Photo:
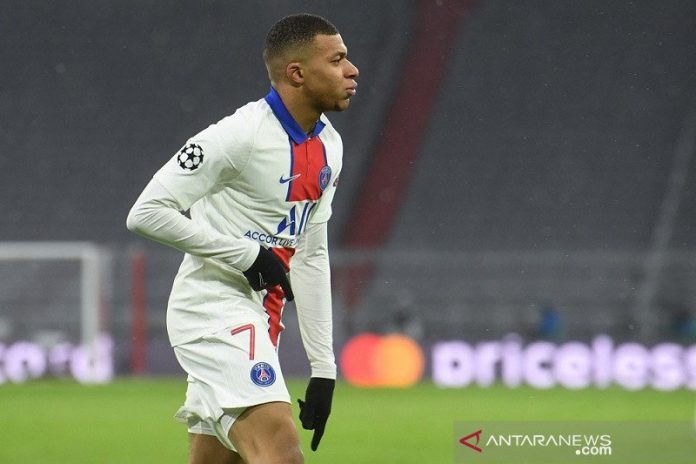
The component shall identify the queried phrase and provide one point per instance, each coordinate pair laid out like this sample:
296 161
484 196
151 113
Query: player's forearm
311 281
155 215
313 300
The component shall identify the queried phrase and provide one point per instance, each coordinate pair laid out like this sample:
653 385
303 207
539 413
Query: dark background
555 174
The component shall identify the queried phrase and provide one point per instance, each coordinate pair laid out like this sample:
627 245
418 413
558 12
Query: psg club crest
262 374
190 157
324 177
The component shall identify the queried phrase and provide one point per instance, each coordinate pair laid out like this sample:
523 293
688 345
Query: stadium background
509 167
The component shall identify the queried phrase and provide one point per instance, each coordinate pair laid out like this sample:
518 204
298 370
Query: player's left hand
267 271
315 409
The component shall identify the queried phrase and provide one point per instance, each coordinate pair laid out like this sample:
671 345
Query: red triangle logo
474 446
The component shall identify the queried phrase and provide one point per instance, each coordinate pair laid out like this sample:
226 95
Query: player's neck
308 123
301 111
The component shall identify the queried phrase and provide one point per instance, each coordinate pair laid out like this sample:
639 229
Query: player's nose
352 71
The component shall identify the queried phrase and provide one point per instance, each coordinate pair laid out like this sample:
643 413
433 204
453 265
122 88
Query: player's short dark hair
294 30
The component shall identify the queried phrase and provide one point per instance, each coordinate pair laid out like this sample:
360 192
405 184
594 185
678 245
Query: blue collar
287 121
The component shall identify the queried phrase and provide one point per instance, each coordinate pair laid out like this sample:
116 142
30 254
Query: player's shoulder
236 132
246 118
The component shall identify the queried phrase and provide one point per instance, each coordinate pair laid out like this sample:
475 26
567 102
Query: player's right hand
315 409
266 272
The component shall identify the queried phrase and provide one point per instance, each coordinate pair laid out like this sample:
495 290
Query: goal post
87 254
46 274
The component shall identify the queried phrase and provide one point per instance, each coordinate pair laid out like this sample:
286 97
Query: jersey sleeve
156 215
213 157
310 275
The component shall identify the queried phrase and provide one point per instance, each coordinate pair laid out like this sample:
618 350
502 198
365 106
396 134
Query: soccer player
259 186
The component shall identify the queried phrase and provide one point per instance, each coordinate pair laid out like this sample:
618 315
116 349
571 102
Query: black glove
315 409
266 272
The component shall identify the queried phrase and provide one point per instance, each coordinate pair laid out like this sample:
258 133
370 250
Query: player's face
329 78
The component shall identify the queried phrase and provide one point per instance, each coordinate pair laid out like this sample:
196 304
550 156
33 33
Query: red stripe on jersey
308 159
284 254
273 302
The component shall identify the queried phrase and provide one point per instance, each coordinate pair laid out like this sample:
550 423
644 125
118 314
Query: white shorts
229 371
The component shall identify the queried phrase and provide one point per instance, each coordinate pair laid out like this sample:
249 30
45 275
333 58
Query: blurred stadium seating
540 181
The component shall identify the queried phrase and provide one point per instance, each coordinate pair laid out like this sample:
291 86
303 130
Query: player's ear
294 73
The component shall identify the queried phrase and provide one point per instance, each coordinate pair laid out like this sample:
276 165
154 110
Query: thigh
267 433
207 449
229 371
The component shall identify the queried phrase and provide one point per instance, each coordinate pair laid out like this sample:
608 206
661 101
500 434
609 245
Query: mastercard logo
370 360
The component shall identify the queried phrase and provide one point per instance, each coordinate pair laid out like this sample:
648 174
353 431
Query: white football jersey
253 175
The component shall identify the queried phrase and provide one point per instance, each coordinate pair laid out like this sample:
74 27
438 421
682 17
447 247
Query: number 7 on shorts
252 337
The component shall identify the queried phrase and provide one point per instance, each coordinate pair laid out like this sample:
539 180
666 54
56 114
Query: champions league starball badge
324 177
190 157
262 374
